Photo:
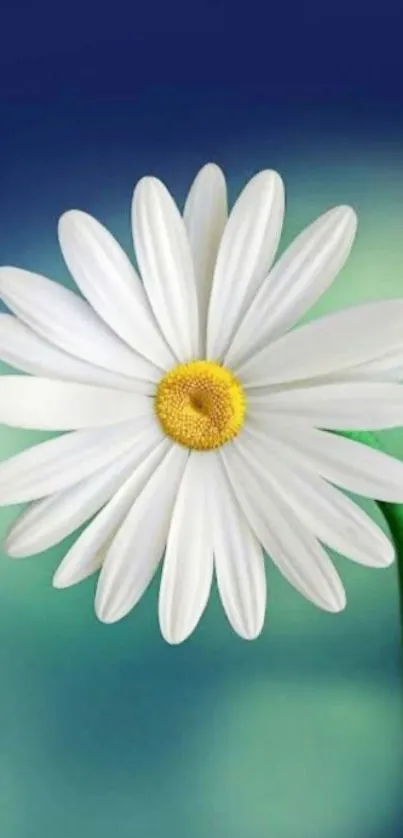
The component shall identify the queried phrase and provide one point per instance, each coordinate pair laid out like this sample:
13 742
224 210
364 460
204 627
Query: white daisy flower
198 424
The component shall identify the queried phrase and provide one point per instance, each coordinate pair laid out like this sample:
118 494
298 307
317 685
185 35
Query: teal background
107 731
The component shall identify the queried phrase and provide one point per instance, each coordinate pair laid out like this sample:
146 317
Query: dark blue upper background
311 50
177 78
168 82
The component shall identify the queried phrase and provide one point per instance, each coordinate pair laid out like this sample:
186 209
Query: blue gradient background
105 730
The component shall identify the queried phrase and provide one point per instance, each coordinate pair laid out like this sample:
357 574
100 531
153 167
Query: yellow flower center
201 405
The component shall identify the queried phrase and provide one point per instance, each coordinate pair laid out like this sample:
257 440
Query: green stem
393 512
394 518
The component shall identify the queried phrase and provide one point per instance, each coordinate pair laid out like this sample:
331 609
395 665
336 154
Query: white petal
165 261
89 551
349 464
56 464
137 548
106 277
48 521
23 349
205 216
341 406
297 554
247 250
188 565
325 511
47 404
329 344
387 368
238 557
299 278
67 321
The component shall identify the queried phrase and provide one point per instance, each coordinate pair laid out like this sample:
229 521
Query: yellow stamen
200 405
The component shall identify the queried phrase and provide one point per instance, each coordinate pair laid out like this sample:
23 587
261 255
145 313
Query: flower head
200 424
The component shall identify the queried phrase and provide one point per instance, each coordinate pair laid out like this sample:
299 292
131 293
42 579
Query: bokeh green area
107 731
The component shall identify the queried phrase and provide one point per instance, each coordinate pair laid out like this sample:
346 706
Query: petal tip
276 178
60 580
387 557
249 636
212 169
14 551
173 634
173 639
107 618
345 214
148 183
105 612
68 218
268 180
250 630
337 603
104 618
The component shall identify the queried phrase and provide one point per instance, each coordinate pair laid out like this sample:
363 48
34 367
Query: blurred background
105 730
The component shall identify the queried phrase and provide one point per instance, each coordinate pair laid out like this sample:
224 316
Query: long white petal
296 552
205 216
387 368
165 261
106 277
329 344
25 350
238 558
324 510
298 279
247 250
67 321
138 546
89 551
349 464
341 406
48 521
57 464
188 564
47 404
